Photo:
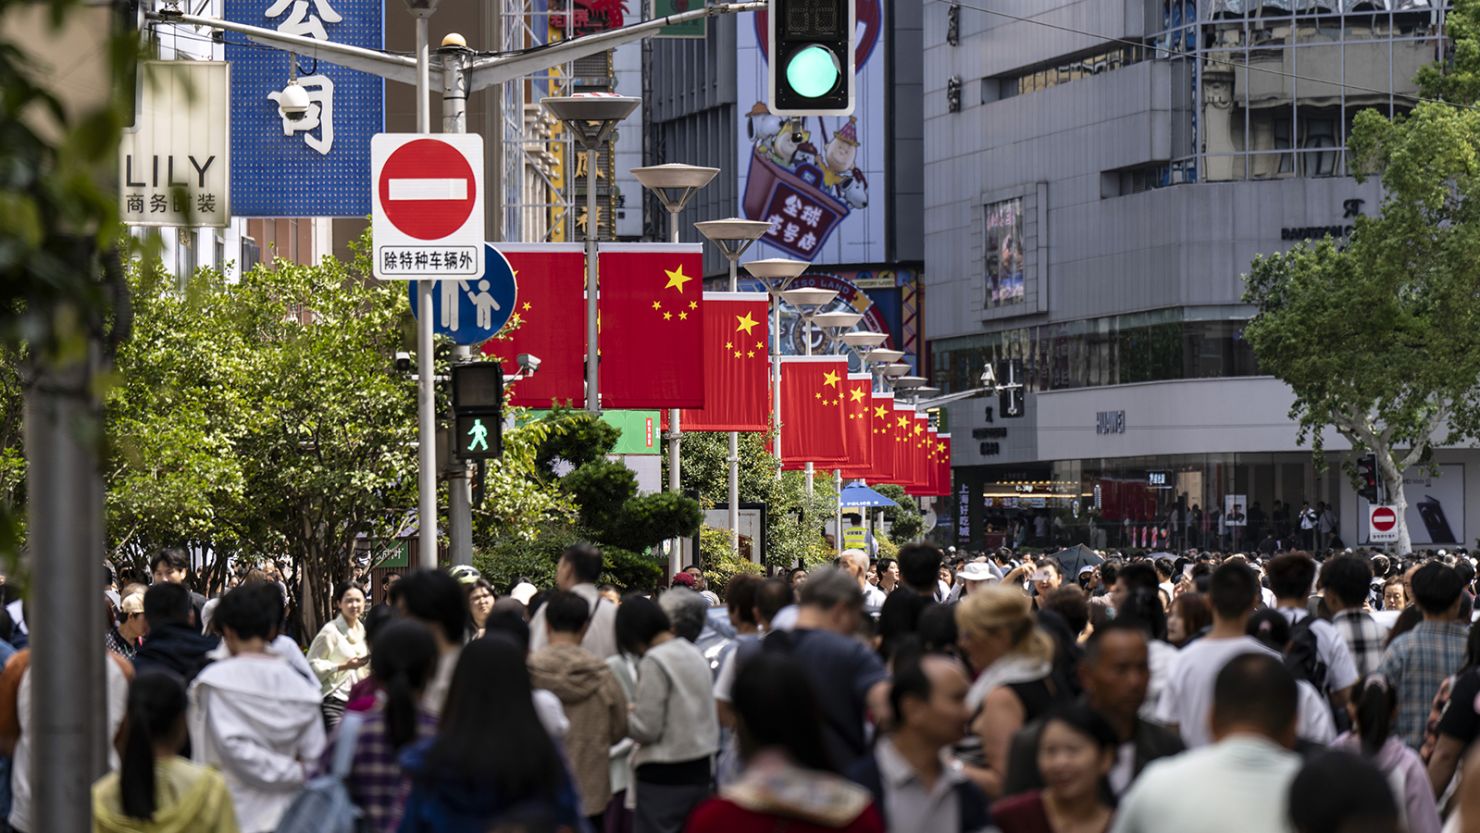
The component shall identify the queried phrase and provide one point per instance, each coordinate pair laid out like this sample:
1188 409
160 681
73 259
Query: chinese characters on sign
429 261
799 221
172 168
317 165
320 88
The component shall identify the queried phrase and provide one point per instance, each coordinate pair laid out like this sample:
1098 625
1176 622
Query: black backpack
1303 657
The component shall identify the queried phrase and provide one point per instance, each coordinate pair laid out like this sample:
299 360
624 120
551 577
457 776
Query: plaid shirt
1416 664
376 782
1363 637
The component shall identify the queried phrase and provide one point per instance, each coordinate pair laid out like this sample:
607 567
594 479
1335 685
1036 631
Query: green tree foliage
1378 338
905 521
794 520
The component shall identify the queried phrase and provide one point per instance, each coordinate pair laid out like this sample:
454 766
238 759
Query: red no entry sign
427 189
427 217
1384 518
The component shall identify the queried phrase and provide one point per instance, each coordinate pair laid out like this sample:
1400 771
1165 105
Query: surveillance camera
529 364
403 361
293 103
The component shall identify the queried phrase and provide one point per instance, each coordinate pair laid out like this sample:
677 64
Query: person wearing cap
523 592
973 576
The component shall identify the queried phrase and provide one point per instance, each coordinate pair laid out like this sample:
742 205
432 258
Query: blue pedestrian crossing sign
473 311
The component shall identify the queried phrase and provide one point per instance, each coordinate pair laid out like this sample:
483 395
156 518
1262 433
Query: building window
1063 71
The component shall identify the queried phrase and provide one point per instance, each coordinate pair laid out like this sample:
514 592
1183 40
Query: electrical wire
1169 53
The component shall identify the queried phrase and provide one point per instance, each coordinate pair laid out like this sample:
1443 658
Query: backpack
1302 654
324 806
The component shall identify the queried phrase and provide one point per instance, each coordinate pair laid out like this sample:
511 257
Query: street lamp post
674 185
834 323
591 120
808 301
777 274
733 237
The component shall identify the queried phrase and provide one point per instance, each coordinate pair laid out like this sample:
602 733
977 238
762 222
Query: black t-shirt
842 671
1460 720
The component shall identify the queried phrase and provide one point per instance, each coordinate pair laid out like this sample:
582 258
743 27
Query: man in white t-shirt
1291 577
1187 701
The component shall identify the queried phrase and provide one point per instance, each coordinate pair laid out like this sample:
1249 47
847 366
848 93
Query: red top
1023 814
718 815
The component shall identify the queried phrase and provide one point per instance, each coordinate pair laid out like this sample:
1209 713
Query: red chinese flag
736 365
943 465
859 411
931 485
921 446
812 415
548 322
651 331
882 427
904 423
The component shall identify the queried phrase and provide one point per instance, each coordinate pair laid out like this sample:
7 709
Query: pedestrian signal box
477 410
810 46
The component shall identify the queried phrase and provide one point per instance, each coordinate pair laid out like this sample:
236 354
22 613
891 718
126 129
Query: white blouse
336 644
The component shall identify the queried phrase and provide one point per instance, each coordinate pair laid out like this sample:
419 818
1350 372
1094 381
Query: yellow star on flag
746 323
528 306
918 429
676 278
857 394
667 316
830 379
902 422
729 345
817 395
881 412
749 354
683 316
657 305
737 354
693 305
940 448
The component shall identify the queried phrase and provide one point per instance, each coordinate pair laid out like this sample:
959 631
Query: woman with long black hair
402 661
339 653
155 790
1373 709
491 763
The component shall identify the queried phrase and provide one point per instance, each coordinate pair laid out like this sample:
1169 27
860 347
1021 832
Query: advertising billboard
316 163
819 181
888 299
1004 247
1436 505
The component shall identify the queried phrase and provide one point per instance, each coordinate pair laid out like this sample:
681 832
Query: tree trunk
1392 478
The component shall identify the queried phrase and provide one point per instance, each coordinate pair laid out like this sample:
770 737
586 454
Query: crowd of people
1068 692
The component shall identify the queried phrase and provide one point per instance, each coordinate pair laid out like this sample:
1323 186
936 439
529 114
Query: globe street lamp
733 236
591 120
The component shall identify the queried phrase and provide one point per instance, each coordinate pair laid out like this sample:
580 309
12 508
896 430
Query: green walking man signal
477 410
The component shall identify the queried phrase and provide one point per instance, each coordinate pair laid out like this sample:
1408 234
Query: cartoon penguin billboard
814 178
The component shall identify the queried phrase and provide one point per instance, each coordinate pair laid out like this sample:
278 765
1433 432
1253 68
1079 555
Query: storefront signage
989 433
1110 422
172 167
1349 209
1158 479
990 449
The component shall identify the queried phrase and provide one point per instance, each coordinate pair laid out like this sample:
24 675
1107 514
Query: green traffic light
479 434
813 71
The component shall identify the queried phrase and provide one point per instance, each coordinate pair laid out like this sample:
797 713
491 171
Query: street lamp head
802 298
927 390
863 338
454 41
591 117
836 320
883 356
909 381
776 269
674 175
733 229
896 371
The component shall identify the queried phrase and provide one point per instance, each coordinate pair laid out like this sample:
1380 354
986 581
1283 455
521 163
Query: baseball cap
976 571
1086 569
684 580
133 603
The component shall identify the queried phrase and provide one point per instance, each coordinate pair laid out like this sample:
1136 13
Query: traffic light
811 57
1367 477
478 410
1010 388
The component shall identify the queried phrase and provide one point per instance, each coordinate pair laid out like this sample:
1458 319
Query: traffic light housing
478 410
1367 477
811 57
